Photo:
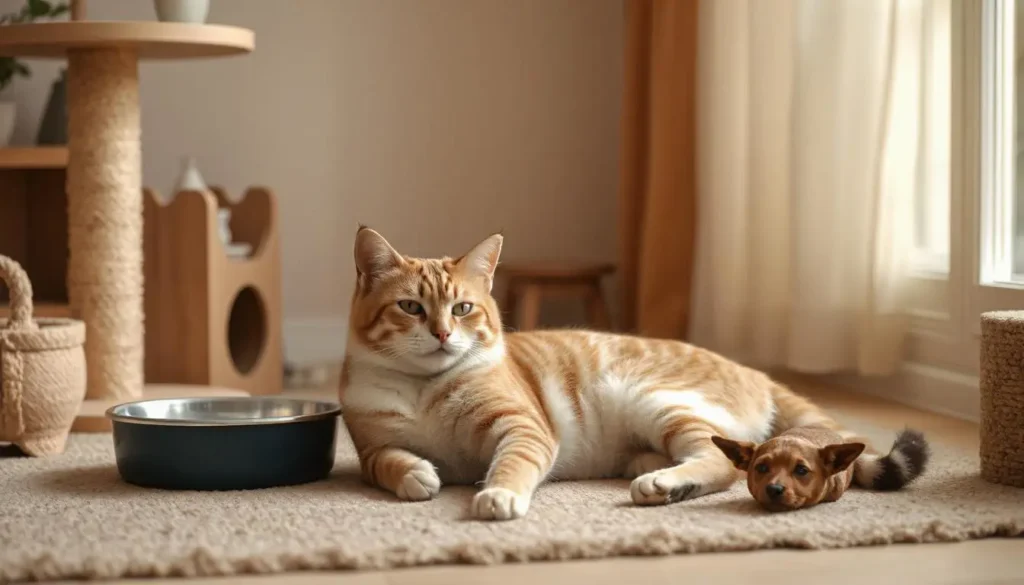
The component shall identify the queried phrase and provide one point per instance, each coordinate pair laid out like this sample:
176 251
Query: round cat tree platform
104 185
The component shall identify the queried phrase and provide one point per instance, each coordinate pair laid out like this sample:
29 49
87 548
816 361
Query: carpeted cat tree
105 223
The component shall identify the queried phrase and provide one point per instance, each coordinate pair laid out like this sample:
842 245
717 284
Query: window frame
992 213
948 307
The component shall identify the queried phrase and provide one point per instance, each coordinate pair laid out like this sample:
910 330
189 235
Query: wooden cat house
213 309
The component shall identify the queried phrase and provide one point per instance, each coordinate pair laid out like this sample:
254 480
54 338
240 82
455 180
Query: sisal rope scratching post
1002 397
105 278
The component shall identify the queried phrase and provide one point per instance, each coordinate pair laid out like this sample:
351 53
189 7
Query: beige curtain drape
809 162
657 195
800 120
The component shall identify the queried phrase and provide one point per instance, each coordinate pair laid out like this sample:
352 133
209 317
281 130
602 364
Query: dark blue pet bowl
224 443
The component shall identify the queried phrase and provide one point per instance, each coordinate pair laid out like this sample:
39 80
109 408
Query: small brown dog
799 468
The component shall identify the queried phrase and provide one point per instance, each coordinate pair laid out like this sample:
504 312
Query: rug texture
71 516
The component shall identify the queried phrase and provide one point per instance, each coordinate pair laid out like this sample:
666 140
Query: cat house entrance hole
247 329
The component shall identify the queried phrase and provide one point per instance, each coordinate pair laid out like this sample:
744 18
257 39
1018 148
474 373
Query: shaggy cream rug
72 517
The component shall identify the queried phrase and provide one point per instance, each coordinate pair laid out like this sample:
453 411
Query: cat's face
423 316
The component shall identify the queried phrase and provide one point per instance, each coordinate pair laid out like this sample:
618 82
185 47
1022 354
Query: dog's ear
839 456
739 452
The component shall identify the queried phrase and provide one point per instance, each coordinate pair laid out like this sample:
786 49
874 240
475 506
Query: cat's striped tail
905 462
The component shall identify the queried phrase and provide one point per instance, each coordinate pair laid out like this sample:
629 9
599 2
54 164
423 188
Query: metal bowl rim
330 410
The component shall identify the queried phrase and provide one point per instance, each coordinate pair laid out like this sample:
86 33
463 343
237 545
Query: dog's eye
761 468
801 469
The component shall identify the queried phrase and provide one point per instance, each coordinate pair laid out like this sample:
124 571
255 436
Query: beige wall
435 121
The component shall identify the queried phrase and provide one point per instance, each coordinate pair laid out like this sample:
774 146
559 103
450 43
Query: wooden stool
530 282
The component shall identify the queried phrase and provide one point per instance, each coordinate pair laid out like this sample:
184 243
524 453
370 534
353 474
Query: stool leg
597 309
529 311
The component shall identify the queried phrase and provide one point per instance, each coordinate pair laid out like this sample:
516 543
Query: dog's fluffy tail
905 462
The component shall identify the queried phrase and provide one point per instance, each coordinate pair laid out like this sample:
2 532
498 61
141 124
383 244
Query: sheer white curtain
808 162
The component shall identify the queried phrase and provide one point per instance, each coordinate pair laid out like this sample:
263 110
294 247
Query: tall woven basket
1002 397
42 371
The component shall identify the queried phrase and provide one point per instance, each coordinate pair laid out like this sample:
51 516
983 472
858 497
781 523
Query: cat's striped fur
435 392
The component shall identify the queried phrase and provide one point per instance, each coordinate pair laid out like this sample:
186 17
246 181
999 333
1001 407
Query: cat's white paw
662 487
419 483
500 504
646 463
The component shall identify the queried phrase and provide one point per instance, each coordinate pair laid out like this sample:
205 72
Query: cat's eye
761 468
411 307
461 309
801 469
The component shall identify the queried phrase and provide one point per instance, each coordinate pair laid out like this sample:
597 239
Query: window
1000 228
969 228
1018 142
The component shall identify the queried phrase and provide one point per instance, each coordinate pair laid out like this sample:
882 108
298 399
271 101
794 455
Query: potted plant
10 67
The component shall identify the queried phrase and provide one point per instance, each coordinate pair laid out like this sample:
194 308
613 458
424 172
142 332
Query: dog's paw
419 483
499 504
645 463
662 487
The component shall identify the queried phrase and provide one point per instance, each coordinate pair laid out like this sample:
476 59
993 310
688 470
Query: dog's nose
774 490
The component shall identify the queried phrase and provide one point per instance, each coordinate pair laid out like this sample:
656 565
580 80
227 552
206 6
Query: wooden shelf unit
33 198
34 157
33 223
43 311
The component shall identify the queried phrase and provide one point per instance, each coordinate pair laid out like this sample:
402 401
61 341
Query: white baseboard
925 387
314 339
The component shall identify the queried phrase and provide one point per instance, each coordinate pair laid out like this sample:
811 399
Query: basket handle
20 289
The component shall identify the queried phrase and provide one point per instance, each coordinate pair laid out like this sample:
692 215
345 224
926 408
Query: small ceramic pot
42 367
193 11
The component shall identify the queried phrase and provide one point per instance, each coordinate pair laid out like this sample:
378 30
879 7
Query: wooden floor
983 562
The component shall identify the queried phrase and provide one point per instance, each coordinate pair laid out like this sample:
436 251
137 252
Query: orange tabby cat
435 392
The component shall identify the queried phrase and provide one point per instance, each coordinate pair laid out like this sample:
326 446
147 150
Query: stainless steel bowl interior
222 411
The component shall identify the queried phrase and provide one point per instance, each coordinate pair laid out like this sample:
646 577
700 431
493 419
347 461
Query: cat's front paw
500 504
419 483
662 487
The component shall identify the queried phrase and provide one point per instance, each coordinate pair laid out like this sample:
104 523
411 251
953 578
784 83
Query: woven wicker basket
1002 397
42 371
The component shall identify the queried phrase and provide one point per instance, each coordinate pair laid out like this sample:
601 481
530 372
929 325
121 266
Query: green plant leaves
33 9
39 8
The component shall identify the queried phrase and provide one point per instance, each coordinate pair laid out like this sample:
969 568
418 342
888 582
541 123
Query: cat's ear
373 254
482 260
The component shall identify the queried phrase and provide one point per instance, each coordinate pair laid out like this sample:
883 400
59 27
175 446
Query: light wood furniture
211 318
529 283
45 310
145 40
93 254
78 9
34 157
33 224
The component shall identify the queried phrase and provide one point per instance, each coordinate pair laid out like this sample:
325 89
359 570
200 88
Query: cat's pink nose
441 336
